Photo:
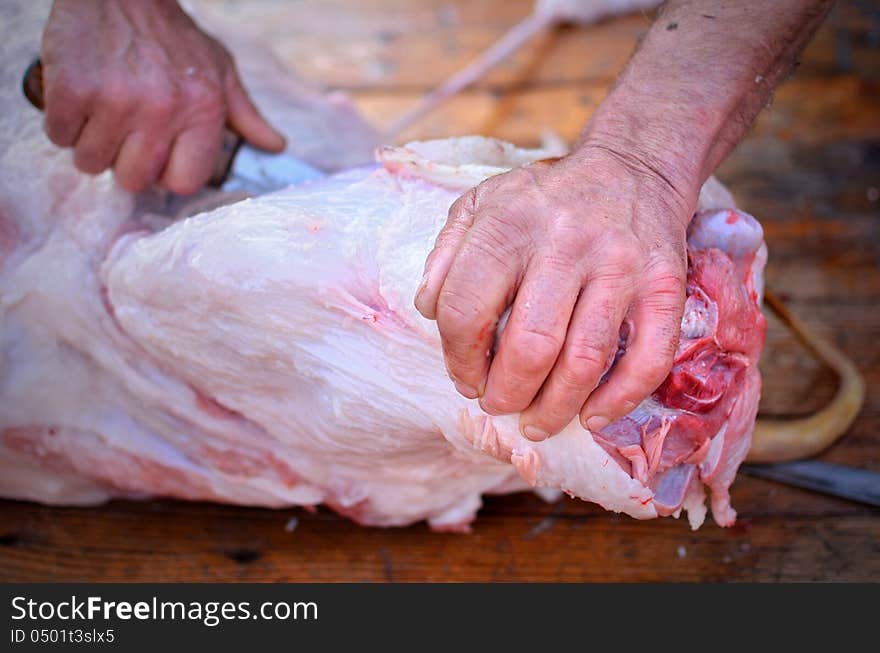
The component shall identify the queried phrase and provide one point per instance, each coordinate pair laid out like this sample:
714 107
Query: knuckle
665 315
670 255
667 265
667 283
567 247
115 94
560 253
159 101
486 188
205 95
71 89
522 177
621 252
88 161
459 220
603 311
572 378
665 295
459 316
582 364
464 206
496 241
535 351
616 266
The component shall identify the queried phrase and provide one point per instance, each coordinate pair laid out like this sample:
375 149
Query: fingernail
597 422
534 434
468 391
422 285
421 289
488 409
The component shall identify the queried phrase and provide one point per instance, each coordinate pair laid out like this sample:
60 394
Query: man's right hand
136 86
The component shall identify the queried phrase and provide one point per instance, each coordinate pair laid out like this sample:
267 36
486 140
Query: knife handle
32 85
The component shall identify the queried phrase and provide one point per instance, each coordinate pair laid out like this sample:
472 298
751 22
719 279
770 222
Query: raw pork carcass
268 353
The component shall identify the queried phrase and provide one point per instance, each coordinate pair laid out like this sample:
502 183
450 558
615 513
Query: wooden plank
515 539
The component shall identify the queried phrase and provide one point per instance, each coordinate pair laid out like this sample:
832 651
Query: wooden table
810 171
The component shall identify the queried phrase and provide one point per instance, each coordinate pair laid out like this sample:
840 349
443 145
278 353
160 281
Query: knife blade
239 166
842 481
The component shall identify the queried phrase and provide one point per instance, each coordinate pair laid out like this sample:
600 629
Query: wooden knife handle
32 85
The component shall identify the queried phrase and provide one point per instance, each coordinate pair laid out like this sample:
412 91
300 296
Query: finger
99 142
589 348
533 336
649 355
481 282
110 115
245 118
449 240
141 160
66 108
192 159
144 153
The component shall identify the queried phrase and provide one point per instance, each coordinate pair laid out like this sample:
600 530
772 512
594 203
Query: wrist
664 146
675 128
673 105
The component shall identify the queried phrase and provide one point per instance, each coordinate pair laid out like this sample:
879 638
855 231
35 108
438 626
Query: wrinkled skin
577 256
137 87
591 249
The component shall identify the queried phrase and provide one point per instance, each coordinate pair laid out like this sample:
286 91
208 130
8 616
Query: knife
239 166
851 483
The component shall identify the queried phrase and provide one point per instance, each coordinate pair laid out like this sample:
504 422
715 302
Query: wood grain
810 171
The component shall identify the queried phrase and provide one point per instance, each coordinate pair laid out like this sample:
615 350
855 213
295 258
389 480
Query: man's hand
579 246
136 86
597 239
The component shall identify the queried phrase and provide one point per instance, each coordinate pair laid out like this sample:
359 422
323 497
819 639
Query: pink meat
709 400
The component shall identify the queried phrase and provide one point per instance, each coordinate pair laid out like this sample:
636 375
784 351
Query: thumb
449 240
244 117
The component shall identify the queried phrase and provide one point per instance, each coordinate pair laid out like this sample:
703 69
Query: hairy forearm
699 78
